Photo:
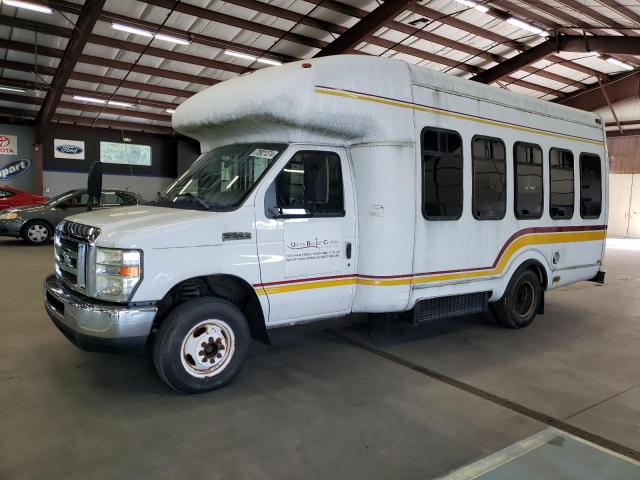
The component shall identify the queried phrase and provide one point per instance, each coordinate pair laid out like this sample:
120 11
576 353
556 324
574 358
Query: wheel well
537 268
227 287
23 230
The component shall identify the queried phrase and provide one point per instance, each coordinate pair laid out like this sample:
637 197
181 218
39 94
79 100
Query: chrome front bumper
95 326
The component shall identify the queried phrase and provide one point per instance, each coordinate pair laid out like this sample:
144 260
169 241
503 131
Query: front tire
519 305
37 232
201 345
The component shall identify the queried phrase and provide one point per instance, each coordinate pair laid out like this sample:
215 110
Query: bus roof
305 102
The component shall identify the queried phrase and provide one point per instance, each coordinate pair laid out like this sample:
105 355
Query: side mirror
94 184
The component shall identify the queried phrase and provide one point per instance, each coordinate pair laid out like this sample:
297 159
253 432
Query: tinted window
127 199
527 162
76 201
590 186
117 199
441 174
5 193
489 189
561 184
310 184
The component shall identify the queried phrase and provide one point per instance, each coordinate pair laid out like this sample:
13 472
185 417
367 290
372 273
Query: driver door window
310 185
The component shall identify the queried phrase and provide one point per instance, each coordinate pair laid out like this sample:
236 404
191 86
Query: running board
451 306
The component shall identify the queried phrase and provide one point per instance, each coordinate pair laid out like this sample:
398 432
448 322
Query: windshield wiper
204 204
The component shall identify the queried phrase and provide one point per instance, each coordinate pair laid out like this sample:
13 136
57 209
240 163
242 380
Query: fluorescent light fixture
119 104
527 26
170 110
240 55
36 7
268 61
477 6
169 38
12 89
617 62
593 54
89 99
235 179
293 170
101 101
127 28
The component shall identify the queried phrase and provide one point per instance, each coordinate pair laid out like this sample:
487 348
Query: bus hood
146 226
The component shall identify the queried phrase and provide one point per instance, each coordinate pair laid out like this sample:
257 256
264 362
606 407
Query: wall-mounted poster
8 144
73 149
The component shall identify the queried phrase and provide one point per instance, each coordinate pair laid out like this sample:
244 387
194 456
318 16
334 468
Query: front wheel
201 345
519 305
37 232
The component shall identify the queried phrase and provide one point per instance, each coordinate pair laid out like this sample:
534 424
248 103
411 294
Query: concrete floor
314 405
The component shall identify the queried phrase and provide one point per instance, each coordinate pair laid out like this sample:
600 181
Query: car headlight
118 272
8 216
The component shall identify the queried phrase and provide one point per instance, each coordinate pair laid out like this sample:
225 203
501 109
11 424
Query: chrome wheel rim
524 300
208 348
37 233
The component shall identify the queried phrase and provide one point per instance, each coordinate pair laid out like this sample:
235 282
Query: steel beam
133 126
564 43
620 88
84 26
366 27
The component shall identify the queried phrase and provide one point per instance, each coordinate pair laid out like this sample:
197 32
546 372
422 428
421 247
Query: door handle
348 252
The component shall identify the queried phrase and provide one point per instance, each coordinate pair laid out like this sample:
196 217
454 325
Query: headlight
8 216
118 272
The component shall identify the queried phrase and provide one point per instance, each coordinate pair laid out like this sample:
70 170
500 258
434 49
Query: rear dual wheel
519 305
201 345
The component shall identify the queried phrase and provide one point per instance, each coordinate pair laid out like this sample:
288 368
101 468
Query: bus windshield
222 178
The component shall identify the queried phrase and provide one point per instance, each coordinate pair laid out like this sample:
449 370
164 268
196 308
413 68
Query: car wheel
519 305
37 232
201 345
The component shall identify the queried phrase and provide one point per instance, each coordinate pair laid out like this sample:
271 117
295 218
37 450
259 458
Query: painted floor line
516 407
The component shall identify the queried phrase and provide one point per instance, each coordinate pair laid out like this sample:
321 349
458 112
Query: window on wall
310 185
561 186
125 153
527 162
590 186
441 174
489 186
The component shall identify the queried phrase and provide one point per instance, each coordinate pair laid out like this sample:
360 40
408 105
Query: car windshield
222 178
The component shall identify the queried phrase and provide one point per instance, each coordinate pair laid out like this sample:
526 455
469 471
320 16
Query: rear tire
519 305
201 345
37 232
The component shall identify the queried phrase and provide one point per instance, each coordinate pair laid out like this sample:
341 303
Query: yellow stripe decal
459 116
521 242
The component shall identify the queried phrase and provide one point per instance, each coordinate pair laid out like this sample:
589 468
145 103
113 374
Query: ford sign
15 169
69 149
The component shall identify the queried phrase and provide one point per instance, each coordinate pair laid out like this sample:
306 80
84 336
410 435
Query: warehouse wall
62 174
624 186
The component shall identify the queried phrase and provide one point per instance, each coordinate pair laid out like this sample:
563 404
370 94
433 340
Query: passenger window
527 162
310 185
561 184
110 199
441 174
5 194
125 199
590 186
489 188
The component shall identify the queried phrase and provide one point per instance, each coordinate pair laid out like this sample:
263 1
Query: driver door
306 233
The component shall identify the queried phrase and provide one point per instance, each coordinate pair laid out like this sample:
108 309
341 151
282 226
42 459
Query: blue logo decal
15 169
69 149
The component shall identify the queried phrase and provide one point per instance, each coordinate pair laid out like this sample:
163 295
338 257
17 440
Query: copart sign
15 169
8 144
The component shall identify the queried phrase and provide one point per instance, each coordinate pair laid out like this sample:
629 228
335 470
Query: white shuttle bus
330 186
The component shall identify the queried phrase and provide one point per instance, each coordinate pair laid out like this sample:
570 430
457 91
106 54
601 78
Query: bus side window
441 174
527 166
489 182
561 184
590 185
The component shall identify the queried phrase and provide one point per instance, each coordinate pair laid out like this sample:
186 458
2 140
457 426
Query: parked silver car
36 223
